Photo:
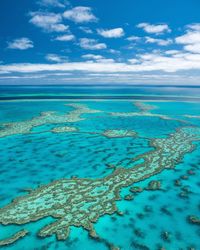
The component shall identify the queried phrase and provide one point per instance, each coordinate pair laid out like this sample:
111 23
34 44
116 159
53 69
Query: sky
100 42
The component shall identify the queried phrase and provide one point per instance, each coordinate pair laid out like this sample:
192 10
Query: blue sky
88 42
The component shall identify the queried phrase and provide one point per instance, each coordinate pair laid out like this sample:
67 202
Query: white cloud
21 44
65 38
194 26
186 60
195 48
106 60
172 52
98 58
160 42
86 30
170 63
133 38
114 51
154 28
92 56
111 33
91 44
53 3
191 39
133 61
49 22
147 62
55 58
80 14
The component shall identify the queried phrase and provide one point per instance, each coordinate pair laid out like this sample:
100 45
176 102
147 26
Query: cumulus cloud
114 51
98 58
133 38
49 22
53 3
143 62
80 14
161 42
86 30
171 52
168 63
195 48
91 44
21 44
133 61
154 28
65 38
92 56
105 60
191 39
55 58
194 26
183 58
111 33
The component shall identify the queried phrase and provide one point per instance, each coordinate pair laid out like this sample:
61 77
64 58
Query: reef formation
130 114
13 238
145 111
51 117
119 133
64 129
80 202
144 107
192 116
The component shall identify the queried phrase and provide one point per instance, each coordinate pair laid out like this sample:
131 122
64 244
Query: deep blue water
99 90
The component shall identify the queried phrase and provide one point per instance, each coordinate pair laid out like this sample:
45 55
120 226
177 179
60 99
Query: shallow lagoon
40 157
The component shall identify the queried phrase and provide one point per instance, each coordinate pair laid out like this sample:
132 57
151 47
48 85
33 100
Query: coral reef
136 189
194 219
130 114
144 107
177 183
166 236
128 197
192 116
144 110
81 202
64 129
25 127
119 133
153 185
14 238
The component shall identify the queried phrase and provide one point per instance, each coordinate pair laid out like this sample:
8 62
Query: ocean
99 167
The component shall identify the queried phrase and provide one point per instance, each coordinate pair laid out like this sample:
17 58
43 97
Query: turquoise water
37 158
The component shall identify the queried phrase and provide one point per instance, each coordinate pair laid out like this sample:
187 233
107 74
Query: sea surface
153 219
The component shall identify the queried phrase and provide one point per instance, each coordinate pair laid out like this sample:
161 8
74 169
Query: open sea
119 167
